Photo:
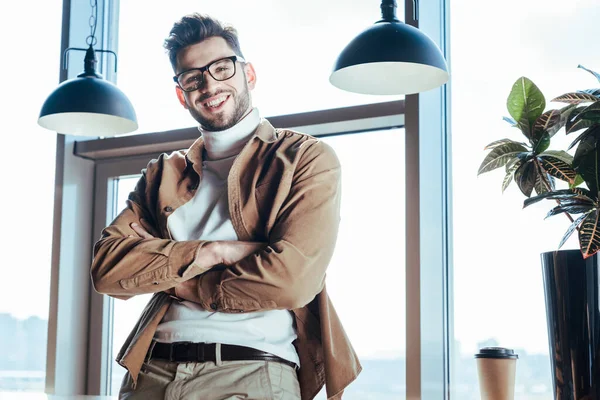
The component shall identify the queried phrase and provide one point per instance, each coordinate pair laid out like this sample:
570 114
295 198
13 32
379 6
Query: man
233 236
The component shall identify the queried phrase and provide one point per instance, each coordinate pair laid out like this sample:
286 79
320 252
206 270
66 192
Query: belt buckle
182 352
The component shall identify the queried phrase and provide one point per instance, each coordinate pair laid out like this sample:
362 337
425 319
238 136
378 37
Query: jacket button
213 306
168 209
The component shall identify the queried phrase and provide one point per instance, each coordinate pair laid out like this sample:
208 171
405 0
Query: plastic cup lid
496 352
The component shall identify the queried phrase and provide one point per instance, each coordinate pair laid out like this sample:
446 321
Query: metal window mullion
100 345
428 224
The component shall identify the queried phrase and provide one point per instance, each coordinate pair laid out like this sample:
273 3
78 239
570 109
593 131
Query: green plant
535 168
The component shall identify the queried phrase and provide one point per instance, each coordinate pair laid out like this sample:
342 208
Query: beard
223 121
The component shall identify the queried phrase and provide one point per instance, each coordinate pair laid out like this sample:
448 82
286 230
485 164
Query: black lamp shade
88 106
390 58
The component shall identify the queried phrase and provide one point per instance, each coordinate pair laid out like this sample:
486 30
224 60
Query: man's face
216 105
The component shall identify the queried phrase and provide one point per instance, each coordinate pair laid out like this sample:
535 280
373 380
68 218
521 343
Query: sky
497 287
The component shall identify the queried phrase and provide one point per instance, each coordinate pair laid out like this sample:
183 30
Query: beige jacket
283 189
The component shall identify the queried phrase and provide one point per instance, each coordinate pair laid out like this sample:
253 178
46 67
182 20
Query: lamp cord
91 39
90 55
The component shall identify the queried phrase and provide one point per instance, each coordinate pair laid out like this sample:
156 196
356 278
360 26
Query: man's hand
230 252
140 231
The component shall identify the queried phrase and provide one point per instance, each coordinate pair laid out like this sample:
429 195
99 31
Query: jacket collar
264 132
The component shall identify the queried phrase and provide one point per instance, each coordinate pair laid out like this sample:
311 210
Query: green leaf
525 177
565 113
588 166
578 181
578 201
562 194
570 209
542 143
589 235
525 104
571 229
542 183
510 170
574 123
560 154
583 136
511 163
545 123
597 75
587 142
558 168
499 156
575 98
590 113
497 143
579 125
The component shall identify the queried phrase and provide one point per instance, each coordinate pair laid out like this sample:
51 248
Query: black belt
202 352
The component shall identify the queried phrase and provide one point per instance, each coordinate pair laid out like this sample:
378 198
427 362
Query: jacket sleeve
290 271
125 265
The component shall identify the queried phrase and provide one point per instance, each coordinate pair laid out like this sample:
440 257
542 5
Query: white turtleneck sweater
206 217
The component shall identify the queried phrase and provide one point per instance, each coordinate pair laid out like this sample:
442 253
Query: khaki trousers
220 380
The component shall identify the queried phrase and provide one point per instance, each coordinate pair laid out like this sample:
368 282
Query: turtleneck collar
229 142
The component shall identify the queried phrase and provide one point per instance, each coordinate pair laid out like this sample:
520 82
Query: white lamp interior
388 78
87 124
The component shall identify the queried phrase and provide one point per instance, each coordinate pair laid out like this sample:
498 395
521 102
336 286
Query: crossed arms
285 273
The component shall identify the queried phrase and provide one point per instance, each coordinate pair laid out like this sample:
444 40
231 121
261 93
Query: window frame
429 272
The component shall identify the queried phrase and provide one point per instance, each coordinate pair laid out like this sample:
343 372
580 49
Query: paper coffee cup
496 367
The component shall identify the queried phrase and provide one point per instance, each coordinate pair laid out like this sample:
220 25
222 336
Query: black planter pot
571 292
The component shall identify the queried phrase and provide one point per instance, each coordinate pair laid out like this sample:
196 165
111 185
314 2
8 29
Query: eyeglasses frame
206 68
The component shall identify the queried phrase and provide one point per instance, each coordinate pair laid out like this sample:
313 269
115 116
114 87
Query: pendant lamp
389 58
88 105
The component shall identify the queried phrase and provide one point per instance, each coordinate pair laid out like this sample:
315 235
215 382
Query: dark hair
194 28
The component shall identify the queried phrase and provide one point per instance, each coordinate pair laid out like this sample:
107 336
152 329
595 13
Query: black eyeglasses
220 70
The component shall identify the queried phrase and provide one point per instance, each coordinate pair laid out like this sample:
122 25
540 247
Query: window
28 161
498 292
368 262
293 46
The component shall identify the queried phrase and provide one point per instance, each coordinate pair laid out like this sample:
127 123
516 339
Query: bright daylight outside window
28 160
378 334
498 290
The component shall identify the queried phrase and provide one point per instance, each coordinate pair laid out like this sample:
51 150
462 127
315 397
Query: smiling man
233 236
